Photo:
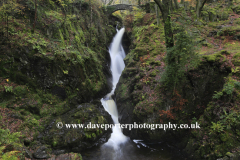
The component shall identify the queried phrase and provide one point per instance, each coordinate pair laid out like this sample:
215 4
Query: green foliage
227 89
194 120
180 58
235 70
237 84
7 138
20 91
9 155
8 88
217 127
217 95
8 142
138 14
10 7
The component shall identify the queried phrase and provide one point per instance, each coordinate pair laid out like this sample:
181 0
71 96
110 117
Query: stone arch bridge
113 8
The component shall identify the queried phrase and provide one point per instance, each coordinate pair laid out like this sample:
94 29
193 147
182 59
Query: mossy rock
129 72
224 52
78 137
214 57
141 51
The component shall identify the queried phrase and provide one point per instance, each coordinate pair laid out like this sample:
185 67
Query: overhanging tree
164 7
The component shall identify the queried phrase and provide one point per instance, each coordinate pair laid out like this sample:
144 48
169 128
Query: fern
9 139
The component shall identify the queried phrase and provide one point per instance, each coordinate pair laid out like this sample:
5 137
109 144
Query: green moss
20 91
214 57
54 144
236 56
123 90
209 45
205 15
154 73
236 9
224 15
236 59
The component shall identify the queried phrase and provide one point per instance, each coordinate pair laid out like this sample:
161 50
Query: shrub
180 58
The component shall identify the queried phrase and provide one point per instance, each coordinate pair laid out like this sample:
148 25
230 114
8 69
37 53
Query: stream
119 146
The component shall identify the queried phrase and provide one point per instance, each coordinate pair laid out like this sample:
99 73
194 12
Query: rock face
138 95
198 92
59 136
41 153
67 156
207 95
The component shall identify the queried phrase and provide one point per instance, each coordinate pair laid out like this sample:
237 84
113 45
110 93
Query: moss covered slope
208 93
51 61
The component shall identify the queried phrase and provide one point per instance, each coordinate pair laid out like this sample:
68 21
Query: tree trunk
168 32
199 7
176 4
91 22
34 24
182 1
157 14
7 27
171 5
164 7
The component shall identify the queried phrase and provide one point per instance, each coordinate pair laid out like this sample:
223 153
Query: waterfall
117 55
119 146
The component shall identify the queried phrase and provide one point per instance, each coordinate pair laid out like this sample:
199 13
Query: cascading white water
120 147
117 55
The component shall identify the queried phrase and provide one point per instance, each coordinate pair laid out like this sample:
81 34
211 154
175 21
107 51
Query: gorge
64 62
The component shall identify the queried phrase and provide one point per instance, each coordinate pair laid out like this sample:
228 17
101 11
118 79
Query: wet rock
69 156
66 156
58 152
41 153
28 154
